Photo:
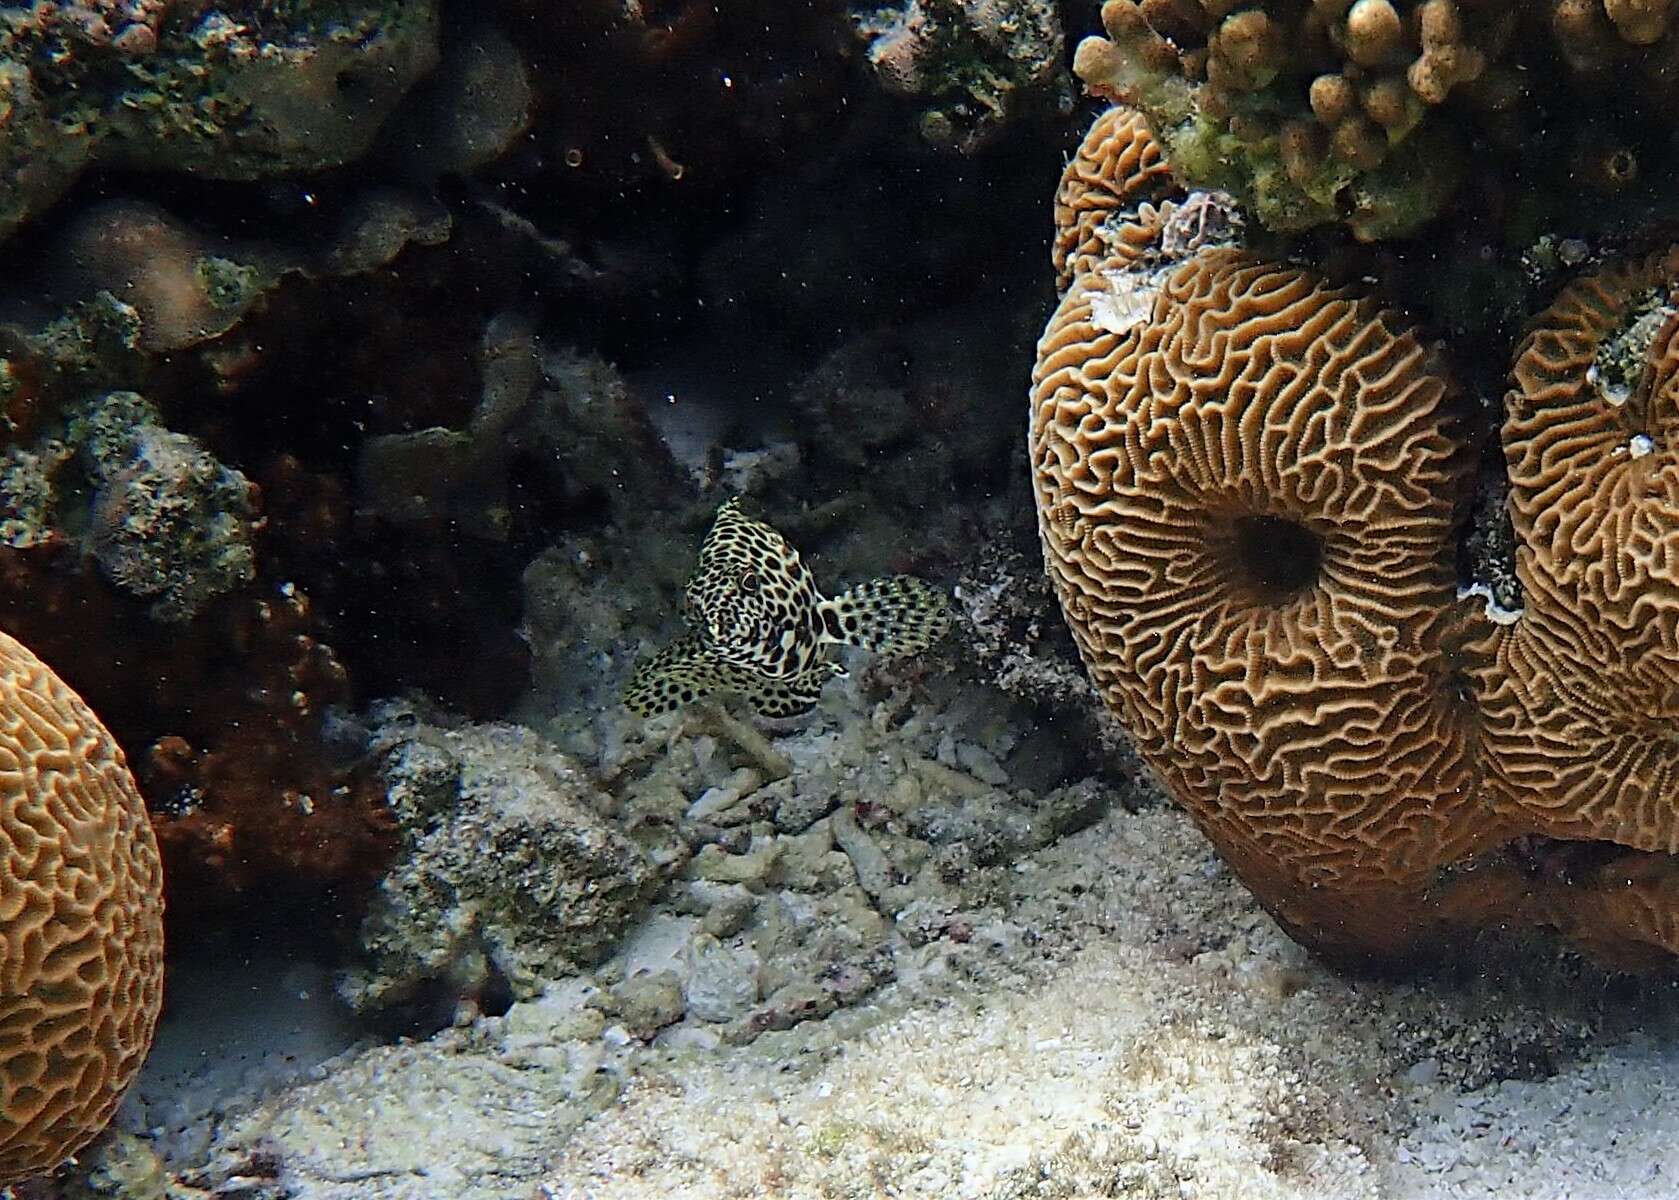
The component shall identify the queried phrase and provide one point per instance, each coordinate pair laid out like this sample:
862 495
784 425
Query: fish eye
748 581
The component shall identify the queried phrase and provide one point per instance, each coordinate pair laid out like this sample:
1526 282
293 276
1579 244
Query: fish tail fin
893 616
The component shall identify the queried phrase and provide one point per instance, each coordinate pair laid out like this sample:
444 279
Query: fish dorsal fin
893 616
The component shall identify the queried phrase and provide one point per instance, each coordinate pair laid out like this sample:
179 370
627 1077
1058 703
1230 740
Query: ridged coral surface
1119 163
1583 725
1246 503
1249 486
81 920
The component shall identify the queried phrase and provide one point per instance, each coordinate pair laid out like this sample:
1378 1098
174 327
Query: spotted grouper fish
758 626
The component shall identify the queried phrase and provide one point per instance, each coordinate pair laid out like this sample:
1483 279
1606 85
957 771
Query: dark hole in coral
1569 862
353 84
497 995
1277 555
1621 166
436 1004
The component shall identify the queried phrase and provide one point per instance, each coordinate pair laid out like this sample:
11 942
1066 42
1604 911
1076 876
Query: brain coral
1583 722
1118 165
81 920
1246 499
1248 486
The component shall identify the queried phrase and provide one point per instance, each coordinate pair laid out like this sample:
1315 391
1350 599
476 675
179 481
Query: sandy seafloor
1114 1065
1122 1020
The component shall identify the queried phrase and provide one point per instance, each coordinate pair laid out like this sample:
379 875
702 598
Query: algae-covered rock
166 520
971 66
509 874
239 91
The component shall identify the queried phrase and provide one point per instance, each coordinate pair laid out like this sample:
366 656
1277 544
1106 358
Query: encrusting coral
1249 485
81 920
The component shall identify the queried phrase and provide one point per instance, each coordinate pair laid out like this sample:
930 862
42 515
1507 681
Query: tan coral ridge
1248 485
81 920
1582 711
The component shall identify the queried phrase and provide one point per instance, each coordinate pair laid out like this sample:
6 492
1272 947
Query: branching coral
1363 111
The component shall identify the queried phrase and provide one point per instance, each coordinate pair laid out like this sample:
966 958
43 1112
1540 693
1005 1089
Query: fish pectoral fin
790 697
893 616
684 671
688 670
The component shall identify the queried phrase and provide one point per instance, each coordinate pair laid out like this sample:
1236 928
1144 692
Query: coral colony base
371 374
